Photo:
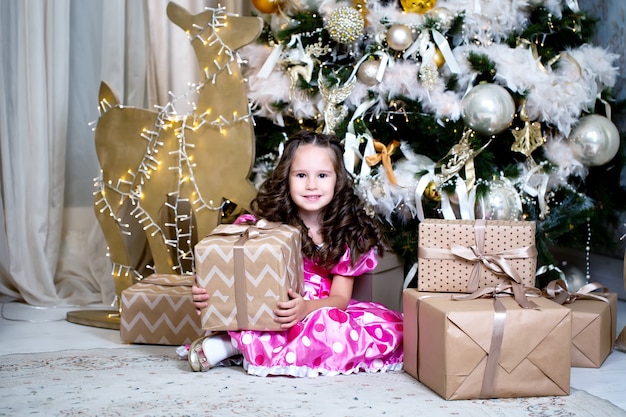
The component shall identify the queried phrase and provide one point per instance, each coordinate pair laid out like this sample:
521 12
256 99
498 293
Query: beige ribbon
384 155
488 388
496 262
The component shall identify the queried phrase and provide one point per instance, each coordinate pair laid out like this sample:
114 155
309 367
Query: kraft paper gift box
246 270
159 310
384 284
594 321
452 346
467 255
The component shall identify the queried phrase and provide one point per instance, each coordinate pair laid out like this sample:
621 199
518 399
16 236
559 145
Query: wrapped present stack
247 269
477 327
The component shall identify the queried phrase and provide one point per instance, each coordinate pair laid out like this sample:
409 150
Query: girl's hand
291 312
200 298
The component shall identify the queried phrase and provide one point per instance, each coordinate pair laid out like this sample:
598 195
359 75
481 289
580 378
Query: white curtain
54 54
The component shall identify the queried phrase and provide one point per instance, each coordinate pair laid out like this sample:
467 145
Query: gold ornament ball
345 24
399 37
431 192
417 6
367 72
361 6
438 59
266 6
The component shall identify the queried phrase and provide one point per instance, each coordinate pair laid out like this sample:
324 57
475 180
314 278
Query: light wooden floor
25 329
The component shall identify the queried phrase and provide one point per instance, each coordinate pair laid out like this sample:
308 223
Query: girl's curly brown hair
344 221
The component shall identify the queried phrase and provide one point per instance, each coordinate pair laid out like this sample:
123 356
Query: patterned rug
152 381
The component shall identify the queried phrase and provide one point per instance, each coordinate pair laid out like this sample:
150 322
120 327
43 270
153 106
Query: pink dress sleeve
245 218
366 263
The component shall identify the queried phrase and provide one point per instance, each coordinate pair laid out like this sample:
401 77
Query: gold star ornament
529 137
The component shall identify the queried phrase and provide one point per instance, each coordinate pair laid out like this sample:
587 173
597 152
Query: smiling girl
326 332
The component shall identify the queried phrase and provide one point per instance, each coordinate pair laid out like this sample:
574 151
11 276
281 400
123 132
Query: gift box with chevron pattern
246 270
159 310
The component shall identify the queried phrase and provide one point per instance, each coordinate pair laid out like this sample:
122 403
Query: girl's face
312 179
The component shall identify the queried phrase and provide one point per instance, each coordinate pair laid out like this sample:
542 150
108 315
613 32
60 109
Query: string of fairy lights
167 117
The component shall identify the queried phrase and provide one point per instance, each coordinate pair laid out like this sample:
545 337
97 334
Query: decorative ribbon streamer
270 62
495 262
477 8
351 144
446 51
384 156
414 46
573 5
569 58
446 208
409 276
532 47
607 106
540 190
466 197
422 183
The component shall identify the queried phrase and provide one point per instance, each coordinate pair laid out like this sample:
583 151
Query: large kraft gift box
467 255
594 321
159 310
452 346
246 270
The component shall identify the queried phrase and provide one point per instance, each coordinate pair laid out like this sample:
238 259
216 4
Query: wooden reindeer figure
172 173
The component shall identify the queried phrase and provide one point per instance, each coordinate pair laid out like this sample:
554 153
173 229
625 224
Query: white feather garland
556 94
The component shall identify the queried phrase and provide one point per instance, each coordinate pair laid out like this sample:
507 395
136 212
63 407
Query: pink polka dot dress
367 336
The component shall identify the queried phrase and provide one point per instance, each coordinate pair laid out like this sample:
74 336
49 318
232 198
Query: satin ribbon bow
518 291
384 154
495 262
558 292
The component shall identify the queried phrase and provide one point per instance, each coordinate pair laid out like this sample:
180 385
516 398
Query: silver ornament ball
594 140
399 37
442 15
574 278
501 202
367 72
488 109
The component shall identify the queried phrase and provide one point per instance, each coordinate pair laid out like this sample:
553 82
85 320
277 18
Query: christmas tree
495 109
